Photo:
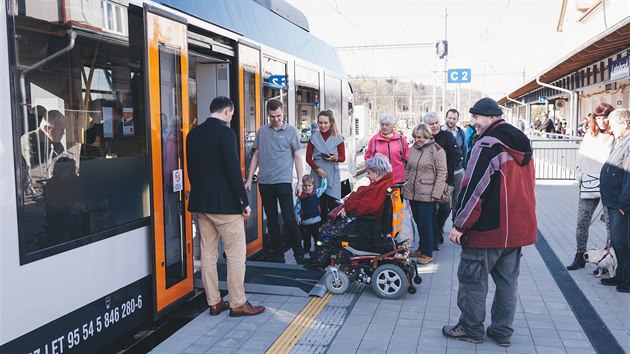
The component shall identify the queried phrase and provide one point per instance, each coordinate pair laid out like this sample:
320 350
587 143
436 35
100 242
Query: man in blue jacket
218 196
615 192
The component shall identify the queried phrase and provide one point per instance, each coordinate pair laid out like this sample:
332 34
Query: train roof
277 25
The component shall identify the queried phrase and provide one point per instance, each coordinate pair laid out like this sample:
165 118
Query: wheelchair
367 250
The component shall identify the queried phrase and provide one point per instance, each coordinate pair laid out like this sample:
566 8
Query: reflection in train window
306 101
271 90
81 134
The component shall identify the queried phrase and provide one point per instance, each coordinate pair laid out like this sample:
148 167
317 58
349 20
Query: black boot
578 262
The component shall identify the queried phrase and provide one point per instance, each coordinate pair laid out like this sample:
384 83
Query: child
307 210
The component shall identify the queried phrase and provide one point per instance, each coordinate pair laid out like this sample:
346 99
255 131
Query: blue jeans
272 195
423 216
620 239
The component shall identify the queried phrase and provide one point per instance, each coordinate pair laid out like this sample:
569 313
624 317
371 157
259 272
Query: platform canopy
609 42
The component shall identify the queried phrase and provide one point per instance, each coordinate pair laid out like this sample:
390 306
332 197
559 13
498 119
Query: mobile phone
326 156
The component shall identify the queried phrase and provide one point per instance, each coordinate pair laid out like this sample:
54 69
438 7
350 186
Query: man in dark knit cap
496 217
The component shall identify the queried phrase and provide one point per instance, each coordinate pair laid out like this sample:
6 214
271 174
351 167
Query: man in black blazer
218 196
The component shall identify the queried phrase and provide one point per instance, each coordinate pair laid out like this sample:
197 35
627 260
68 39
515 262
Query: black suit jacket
216 183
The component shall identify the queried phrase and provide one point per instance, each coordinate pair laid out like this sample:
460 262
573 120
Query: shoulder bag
447 193
589 187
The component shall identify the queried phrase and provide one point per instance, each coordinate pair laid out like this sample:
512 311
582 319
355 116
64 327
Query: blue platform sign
459 76
278 81
619 69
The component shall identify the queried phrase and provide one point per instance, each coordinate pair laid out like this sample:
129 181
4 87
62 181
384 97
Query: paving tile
429 349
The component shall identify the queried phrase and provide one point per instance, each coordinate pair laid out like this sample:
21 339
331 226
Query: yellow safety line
289 338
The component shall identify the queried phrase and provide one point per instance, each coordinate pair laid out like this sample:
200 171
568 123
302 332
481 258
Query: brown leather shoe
246 310
219 307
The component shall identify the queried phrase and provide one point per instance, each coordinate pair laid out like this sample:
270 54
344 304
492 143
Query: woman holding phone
324 152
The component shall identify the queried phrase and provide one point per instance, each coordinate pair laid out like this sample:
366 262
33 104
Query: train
101 94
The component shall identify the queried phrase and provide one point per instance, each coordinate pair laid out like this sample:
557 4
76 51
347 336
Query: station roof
265 25
600 47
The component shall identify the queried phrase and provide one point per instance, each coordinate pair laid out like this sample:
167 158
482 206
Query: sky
501 38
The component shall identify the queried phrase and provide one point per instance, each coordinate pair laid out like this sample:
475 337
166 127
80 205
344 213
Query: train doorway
166 67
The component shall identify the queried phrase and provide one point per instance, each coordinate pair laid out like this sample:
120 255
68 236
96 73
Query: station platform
559 311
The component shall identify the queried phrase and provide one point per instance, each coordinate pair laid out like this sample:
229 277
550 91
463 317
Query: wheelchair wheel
389 281
339 285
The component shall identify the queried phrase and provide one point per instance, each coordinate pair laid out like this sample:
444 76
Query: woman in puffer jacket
426 179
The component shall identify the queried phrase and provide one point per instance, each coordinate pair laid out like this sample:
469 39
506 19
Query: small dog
604 259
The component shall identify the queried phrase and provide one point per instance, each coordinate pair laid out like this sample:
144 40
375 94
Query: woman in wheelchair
358 242
366 200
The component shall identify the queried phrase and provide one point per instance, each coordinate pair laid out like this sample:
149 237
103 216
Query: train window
82 173
306 101
272 88
333 99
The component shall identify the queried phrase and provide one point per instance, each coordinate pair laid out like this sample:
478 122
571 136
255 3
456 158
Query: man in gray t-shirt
277 148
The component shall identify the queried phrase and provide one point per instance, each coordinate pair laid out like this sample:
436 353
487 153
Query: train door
250 120
166 76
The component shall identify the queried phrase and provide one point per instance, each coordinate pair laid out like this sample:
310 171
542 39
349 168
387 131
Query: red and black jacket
497 200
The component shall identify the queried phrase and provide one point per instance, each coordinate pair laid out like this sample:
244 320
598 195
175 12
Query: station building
596 70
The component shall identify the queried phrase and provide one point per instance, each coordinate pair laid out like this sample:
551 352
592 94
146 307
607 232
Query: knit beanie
486 107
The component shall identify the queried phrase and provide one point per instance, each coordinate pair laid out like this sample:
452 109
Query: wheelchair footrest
357 252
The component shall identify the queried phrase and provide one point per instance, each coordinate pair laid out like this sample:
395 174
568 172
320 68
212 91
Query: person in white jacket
592 154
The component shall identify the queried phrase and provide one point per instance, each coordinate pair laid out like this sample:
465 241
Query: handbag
409 228
447 193
589 187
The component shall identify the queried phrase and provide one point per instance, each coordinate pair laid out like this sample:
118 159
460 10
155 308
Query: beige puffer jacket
425 173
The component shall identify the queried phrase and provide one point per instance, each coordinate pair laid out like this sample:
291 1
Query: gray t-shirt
275 159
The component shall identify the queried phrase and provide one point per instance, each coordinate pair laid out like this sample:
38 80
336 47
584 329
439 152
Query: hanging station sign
619 69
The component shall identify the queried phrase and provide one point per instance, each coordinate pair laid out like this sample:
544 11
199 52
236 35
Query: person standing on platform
277 148
425 175
452 117
218 197
324 152
496 218
391 144
615 192
548 127
594 150
453 162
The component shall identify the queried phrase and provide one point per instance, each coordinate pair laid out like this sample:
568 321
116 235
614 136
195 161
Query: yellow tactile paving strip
289 338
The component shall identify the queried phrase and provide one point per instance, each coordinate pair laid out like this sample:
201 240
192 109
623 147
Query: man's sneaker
501 341
423 259
457 332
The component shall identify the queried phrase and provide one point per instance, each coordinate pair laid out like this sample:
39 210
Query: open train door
249 90
166 90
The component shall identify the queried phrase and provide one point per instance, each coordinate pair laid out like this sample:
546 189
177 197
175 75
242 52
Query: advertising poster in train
127 123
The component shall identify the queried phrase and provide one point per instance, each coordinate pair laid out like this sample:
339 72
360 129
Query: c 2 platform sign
278 81
459 76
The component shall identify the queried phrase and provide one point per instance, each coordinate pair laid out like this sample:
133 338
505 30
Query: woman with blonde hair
426 179
324 152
